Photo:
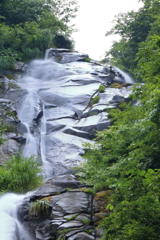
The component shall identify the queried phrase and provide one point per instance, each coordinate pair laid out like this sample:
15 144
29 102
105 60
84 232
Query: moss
64 231
69 189
99 215
13 85
72 217
94 101
9 128
101 88
85 221
93 114
97 223
87 59
88 190
105 195
40 207
102 199
115 85
10 76
11 114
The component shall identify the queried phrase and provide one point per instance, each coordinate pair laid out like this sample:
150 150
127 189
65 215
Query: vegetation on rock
101 89
125 157
20 174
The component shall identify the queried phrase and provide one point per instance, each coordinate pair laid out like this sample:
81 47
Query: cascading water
34 110
11 228
127 78
26 114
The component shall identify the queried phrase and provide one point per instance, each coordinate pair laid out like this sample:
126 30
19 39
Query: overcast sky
94 19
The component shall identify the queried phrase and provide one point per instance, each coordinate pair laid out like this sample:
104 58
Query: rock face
58 105
65 105
68 212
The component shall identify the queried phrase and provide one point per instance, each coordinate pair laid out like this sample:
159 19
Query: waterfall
11 228
26 114
127 77
46 165
47 53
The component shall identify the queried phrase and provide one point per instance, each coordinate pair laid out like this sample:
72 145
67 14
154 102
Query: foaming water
127 77
11 228
26 114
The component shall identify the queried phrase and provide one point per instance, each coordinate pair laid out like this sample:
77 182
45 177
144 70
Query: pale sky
94 19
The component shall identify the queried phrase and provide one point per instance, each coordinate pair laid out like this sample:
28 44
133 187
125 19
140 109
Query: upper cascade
60 103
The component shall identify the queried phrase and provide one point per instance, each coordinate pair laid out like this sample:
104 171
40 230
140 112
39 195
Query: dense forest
29 27
124 158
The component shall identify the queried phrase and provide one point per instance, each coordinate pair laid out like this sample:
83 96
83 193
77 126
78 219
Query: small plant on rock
94 101
20 174
85 221
101 88
87 59
40 207
72 217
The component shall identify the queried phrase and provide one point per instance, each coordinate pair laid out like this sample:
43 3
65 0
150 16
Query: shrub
87 59
40 207
20 174
94 101
101 88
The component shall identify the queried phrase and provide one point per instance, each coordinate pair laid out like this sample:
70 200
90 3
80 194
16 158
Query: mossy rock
101 200
116 85
97 223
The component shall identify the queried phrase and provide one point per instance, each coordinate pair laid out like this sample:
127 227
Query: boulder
78 202
82 235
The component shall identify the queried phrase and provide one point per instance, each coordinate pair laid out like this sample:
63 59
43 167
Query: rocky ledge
63 208
60 103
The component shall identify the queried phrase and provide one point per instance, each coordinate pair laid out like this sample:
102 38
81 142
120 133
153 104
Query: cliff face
61 103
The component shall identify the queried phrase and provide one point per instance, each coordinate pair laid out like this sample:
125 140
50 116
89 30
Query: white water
11 228
46 165
127 77
26 114
47 53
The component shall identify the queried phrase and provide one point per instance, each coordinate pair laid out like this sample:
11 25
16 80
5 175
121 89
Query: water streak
11 228
127 77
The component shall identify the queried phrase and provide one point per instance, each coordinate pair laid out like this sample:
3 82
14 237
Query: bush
20 174
94 101
101 88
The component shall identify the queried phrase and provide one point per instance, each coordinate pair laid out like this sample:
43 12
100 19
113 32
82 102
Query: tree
125 158
28 28
134 28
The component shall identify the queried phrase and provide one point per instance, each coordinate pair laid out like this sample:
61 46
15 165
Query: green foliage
2 130
94 100
72 217
61 41
135 207
87 59
40 207
101 89
125 158
13 85
20 174
28 28
69 189
9 128
85 221
64 231
134 28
